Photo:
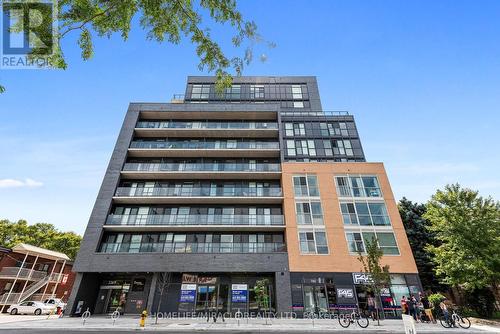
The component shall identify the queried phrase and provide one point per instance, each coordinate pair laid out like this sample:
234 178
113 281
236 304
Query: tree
162 284
420 236
261 293
380 277
40 235
468 229
163 20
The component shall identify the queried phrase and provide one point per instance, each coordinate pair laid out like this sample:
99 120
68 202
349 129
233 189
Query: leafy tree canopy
468 229
40 235
419 237
164 21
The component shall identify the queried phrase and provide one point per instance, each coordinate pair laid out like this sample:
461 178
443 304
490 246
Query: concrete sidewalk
103 323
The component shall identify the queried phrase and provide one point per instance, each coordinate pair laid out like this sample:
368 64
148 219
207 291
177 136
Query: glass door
315 299
206 298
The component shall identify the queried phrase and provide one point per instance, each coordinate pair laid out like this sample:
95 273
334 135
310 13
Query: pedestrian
411 306
404 306
371 306
444 309
426 304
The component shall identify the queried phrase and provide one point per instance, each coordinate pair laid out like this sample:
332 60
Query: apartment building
215 193
32 273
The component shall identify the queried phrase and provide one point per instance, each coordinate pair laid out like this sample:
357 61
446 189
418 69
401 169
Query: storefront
327 293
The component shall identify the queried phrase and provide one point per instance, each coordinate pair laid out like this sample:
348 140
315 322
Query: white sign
409 324
239 287
188 287
345 293
361 278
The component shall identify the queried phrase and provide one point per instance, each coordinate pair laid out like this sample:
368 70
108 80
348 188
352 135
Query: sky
422 79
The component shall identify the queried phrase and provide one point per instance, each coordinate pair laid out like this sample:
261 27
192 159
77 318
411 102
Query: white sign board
409 324
188 287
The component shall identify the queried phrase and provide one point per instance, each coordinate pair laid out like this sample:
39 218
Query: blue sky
422 79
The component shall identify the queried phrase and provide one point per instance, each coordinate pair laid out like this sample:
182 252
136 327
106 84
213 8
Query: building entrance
315 299
210 298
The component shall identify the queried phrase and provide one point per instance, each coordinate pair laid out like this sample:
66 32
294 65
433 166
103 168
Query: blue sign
239 293
188 293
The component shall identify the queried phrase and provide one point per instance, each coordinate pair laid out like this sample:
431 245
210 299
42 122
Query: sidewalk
104 323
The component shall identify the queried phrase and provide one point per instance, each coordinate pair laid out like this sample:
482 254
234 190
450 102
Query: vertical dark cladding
101 208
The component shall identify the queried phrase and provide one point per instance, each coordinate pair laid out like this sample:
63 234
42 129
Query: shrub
482 301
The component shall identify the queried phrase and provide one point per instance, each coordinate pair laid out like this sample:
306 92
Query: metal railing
191 247
347 191
315 113
209 144
22 273
199 191
251 220
206 125
205 167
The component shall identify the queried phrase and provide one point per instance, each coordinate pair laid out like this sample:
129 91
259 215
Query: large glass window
290 147
365 213
342 147
233 92
356 241
289 129
358 186
327 146
299 129
309 213
200 92
306 185
313 242
257 91
296 92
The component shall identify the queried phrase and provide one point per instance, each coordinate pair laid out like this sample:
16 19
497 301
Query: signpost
239 293
188 293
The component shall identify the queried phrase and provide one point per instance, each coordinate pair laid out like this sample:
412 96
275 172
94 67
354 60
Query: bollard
238 316
85 316
142 322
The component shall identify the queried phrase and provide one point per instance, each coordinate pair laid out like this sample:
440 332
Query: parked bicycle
453 320
345 320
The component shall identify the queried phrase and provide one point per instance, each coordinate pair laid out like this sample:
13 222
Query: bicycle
345 320
453 319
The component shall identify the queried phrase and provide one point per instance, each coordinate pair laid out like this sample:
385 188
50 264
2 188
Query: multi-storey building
30 273
214 193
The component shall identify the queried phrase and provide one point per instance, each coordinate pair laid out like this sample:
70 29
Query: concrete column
70 308
283 291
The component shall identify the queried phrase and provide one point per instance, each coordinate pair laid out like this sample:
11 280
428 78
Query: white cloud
11 183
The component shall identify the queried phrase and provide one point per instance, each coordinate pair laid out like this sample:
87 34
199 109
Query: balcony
27 274
198 222
205 128
205 148
191 247
221 195
202 170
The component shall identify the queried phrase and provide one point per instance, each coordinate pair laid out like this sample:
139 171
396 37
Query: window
327 145
299 129
200 92
297 93
234 92
365 213
356 242
323 129
302 147
298 104
290 147
313 243
342 147
257 91
311 148
305 186
309 213
358 186
289 129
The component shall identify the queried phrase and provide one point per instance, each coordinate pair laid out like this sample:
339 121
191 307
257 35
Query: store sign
188 293
239 293
188 278
345 293
385 292
362 278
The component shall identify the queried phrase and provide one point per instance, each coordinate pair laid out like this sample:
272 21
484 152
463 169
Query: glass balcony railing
192 247
199 191
202 167
206 125
251 220
219 145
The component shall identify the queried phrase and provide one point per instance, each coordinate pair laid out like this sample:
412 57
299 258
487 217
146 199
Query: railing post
28 278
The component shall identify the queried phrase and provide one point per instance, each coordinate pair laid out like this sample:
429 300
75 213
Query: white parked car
54 303
29 307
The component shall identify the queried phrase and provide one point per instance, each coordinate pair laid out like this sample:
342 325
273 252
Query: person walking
411 303
404 306
371 306
426 304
